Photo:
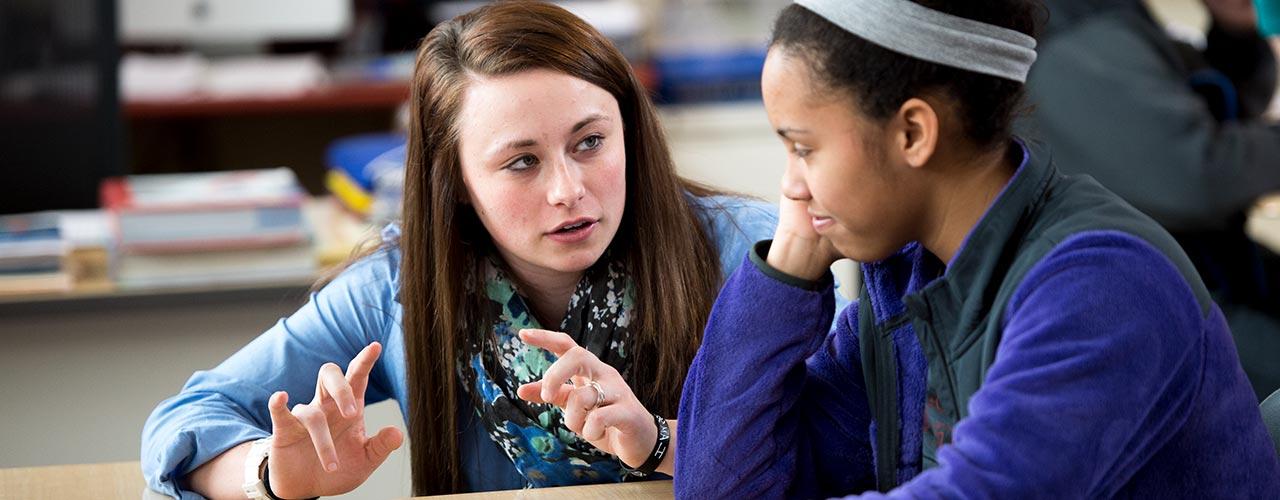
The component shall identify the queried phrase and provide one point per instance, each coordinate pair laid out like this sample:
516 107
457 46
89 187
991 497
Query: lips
820 222
573 225
574 231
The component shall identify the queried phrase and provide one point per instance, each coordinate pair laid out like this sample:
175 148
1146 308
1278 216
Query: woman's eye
590 143
522 163
800 152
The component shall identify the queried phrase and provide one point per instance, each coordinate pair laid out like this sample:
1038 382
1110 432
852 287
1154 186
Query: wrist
266 482
668 465
255 470
661 449
802 258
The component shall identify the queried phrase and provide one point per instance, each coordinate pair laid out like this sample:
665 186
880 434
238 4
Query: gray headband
914 30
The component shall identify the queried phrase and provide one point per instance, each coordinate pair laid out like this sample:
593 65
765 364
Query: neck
969 184
547 291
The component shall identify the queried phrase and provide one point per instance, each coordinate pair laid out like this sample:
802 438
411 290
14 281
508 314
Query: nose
566 184
794 187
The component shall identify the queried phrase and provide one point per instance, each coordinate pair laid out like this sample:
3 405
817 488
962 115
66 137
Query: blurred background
115 284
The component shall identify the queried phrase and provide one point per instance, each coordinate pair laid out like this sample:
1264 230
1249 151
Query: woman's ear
917 134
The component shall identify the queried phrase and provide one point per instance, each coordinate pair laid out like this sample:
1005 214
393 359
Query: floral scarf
497 362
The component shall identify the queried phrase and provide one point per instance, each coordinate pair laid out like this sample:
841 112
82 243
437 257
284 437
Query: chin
576 261
863 251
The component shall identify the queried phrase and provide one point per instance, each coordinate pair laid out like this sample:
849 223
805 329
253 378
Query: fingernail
351 410
333 466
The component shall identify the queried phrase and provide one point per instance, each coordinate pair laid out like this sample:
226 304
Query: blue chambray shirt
220 408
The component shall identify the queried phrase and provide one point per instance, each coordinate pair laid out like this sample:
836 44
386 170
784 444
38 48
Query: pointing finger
557 343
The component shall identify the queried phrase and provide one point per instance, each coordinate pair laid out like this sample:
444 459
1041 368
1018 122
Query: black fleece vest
958 316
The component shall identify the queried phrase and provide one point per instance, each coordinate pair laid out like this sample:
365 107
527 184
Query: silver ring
599 394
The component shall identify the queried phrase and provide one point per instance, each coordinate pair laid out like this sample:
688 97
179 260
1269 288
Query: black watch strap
660 448
266 482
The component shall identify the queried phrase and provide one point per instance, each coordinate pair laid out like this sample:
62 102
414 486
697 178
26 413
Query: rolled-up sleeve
220 408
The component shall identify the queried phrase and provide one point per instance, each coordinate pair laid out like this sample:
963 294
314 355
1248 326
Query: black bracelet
660 448
266 483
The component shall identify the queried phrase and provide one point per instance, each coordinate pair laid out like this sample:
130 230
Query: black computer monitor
60 119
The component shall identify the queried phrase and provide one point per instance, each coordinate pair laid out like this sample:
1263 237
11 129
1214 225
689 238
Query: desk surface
93 481
124 480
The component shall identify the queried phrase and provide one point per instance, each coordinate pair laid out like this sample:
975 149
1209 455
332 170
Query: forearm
748 374
221 477
220 410
209 417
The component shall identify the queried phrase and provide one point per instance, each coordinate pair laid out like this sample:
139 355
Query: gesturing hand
617 423
320 448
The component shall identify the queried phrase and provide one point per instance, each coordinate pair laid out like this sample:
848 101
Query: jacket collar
964 292
914 281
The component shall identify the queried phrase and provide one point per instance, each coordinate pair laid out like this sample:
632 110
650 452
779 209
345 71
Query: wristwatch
254 487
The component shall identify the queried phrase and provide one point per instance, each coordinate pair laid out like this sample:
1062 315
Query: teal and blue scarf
534 436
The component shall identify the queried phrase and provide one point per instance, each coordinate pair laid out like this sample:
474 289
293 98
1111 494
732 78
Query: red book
166 213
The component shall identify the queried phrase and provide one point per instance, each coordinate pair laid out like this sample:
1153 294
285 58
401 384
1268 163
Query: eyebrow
786 132
594 117
524 143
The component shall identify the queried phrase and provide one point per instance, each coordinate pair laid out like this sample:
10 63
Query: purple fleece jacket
1109 381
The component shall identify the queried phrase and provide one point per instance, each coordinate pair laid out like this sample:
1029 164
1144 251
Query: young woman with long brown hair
539 191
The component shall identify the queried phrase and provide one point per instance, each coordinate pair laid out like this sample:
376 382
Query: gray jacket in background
1176 132
1114 96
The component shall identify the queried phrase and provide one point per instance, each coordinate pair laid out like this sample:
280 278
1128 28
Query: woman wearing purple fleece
1020 333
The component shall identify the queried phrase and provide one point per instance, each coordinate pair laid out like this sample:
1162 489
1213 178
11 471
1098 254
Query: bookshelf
335 233
337 97
203 133
148 297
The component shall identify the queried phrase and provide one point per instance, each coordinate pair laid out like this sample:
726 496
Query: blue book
39 226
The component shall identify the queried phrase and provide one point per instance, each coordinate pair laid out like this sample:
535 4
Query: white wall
78 379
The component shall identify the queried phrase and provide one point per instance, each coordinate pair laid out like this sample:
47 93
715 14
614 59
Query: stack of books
207 229
55 252
33 255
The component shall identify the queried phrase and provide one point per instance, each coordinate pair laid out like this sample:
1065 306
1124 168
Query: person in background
538 191
1178 132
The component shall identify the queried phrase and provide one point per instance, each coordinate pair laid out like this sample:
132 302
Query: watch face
255 491
254 465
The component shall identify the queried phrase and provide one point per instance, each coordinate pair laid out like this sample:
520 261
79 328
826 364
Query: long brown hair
660 240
